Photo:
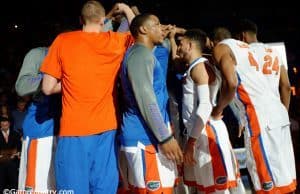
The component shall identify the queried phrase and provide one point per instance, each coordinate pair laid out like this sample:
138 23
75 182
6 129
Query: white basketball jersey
269 62
190 97
254 91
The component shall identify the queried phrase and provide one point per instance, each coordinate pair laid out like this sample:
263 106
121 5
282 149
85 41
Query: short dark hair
246 25
220 33
137 22
198 36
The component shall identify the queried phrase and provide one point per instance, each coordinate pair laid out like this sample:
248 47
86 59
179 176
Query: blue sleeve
140 72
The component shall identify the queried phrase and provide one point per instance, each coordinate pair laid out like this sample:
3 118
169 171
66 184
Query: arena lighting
295 70
280 47
15 27
293 90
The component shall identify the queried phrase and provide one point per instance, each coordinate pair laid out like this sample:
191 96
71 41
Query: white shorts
270 160
149 171
217 168
37 165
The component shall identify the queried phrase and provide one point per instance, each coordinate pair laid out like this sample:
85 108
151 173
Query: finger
179 158
240 133
189 161
171 156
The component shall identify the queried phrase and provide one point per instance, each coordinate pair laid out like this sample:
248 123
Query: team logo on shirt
221 180
267 186
153 185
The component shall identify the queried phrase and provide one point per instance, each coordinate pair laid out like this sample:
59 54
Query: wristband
166 140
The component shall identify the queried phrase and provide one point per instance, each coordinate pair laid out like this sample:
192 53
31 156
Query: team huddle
100 140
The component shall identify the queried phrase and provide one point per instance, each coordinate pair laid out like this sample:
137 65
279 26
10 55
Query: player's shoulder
141 50
37 51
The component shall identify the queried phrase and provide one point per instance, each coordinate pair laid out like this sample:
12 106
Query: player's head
147 26
92 12
219 34
194 40
246 30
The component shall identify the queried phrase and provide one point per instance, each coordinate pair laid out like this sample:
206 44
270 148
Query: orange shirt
87 64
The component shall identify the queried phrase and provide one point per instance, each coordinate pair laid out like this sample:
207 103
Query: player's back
269 62
260 102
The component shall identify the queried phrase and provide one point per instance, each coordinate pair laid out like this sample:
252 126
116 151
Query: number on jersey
270 65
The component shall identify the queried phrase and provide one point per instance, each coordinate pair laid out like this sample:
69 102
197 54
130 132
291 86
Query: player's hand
189 152
172 32
121 8
241 130
172 151
216 114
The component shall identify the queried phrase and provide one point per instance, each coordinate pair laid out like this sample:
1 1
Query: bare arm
50 85
226 62
284 87
125 9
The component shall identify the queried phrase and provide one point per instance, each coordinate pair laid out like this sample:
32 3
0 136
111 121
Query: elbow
288 88
46 89
19 91
231 86
285 89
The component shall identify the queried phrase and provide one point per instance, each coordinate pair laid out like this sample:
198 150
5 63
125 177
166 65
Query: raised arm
122 8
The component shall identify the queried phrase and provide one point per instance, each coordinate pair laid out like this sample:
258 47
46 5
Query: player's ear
143 29
190 45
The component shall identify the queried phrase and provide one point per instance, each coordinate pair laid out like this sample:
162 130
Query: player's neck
92 28
194 56
145 41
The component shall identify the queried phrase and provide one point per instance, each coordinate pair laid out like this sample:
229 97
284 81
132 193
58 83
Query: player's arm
237 113
284 87
126 10
200 77
30 77
51 85
140 73
226 62
52 69
124 25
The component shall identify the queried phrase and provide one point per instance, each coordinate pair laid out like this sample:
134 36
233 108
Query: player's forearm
151 113
226 96
129 14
